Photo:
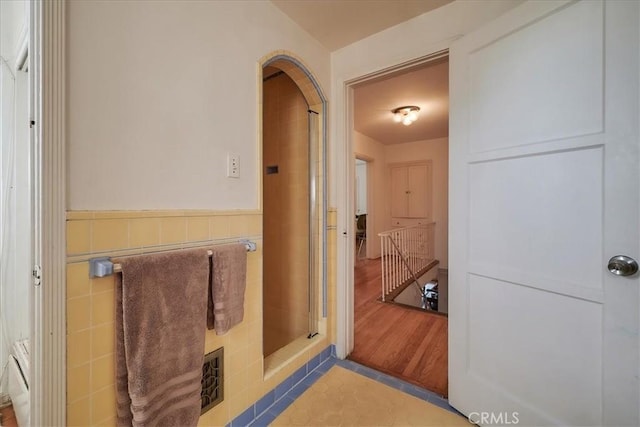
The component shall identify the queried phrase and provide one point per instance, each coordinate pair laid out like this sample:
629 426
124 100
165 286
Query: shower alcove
294 209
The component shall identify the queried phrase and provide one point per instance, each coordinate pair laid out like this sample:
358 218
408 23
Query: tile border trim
403 386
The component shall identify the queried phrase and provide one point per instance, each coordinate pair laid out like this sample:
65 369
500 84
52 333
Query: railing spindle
405 252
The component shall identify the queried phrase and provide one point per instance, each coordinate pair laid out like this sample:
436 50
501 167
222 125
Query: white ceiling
338 23
426 87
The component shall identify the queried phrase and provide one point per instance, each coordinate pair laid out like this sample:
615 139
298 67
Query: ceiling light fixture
405 115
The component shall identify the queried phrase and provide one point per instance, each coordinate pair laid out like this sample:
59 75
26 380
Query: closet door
418 187
399 192
411 190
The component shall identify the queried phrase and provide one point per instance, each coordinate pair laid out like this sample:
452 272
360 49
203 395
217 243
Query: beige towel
161 311
228 283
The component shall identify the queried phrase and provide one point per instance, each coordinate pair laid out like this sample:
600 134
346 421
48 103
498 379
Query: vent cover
212 380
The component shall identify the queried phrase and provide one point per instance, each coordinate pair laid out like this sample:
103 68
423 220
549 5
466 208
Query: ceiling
426 86
338 23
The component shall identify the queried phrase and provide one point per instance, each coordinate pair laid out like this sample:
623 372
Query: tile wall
90 308
285 145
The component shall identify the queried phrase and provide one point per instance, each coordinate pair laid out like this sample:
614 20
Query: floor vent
212 380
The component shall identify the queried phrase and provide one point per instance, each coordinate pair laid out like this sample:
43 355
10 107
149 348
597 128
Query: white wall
13 23
361 187
373 151
15 195
436 150
159 92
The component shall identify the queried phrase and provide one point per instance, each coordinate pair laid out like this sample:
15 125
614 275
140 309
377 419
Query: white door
419 185
544 189
399 188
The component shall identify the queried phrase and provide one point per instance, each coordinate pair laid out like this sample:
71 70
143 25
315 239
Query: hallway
406 343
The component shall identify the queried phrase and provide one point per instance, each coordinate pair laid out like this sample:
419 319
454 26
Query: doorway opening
406 259
294 208
361 190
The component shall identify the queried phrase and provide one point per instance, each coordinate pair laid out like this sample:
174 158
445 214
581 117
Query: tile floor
343 397
342 392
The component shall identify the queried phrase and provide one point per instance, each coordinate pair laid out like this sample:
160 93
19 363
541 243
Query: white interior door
399 188
419 183
544 189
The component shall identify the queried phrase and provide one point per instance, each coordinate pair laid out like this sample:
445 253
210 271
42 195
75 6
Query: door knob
622 265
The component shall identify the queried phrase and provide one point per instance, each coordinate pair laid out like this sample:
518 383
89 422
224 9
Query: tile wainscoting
90 307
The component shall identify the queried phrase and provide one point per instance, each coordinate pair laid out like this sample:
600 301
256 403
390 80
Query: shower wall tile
213 341
102 340
109 234
78 348
253 308
219 227
236 386
79 412
102 308
78 237
239 360
78 382
219 416
197 229
90 308
102 404
102 372
144 232
100 284
107 422
255 225
332 217
331 273
78 314
173 230
78 280
286 214
238 226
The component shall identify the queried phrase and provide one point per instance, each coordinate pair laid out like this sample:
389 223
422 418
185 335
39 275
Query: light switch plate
233 165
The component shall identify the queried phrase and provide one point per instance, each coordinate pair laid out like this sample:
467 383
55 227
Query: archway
294 203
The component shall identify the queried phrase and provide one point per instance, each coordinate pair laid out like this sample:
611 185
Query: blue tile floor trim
265 410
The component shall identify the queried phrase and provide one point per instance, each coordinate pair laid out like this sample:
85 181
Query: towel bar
103 266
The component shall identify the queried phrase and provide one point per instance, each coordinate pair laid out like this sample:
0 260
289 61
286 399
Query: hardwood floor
406 343
8 417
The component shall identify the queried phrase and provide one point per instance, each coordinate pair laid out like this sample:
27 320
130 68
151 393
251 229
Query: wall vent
212 380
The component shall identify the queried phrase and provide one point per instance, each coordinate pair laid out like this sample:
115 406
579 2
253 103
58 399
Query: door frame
371 215
47 67
346 196
422 36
